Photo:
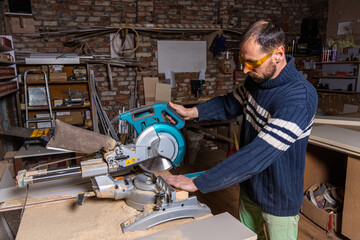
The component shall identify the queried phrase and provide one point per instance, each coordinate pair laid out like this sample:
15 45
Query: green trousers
277 228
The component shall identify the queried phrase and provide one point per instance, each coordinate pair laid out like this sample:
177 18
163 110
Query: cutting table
101 219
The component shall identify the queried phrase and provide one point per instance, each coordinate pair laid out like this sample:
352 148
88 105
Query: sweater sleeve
282 130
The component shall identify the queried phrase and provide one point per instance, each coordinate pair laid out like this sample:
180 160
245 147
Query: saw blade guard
169 144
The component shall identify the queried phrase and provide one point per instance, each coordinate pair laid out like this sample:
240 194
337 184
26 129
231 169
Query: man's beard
267 75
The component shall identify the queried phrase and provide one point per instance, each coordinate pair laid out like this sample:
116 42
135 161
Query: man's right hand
186 113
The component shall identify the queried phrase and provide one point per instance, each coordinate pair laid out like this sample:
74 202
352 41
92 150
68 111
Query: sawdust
95 219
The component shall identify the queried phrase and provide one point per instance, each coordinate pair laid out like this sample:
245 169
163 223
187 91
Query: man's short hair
267 34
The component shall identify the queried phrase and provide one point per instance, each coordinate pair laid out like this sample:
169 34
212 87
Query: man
279 106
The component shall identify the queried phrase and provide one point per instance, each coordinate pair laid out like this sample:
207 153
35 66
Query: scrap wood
341 139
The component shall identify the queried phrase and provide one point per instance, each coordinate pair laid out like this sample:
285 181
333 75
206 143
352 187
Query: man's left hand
181 182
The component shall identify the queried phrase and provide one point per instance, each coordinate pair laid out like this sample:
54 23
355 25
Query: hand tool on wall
158 147
109 72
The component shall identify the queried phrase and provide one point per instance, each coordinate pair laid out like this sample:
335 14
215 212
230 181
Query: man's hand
181 182
186 113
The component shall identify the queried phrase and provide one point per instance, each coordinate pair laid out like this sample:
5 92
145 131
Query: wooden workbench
95 219
101 219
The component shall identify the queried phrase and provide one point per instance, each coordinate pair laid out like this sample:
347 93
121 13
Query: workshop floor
225 200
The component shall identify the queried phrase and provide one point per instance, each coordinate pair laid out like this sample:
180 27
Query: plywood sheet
346 122
339 138
163 92
222 226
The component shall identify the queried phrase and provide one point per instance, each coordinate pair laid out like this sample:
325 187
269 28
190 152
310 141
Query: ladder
40 102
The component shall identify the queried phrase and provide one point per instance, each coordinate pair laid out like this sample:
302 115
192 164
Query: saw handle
148 115
173 113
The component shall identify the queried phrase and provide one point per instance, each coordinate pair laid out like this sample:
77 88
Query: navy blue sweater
278 117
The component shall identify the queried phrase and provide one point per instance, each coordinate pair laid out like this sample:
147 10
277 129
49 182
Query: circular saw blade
158 164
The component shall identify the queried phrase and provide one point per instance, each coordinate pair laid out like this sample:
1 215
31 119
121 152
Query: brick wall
55 15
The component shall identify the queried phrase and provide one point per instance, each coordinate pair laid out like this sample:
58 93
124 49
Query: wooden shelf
56 108
336 91
335 76
5 48
7 77
339 62
8 92
54 83
6 62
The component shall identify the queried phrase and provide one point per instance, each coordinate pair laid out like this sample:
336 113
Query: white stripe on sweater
251 116
292 127
273 141
307 130
289 126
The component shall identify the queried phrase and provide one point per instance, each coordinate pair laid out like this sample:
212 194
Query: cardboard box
75 118
320 216
58 77
149 89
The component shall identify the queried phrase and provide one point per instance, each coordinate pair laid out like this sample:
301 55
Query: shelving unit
348 82
70 99
8 83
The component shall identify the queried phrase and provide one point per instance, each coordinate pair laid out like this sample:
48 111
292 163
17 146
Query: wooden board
95 219
222 226
352 123
337 138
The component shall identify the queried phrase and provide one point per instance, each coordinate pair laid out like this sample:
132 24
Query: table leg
18 164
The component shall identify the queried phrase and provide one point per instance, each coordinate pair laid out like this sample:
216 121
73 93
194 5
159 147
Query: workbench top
95 219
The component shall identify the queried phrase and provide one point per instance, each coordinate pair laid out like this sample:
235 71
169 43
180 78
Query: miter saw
158 147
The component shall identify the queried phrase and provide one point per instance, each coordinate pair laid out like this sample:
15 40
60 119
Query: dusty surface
96 219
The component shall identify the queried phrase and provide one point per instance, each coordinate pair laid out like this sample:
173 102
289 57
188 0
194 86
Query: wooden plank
337 120
222 226
338 137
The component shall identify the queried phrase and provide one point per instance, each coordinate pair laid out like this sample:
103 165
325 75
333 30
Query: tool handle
177 117
148 115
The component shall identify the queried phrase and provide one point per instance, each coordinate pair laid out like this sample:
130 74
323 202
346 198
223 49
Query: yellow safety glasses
251 65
